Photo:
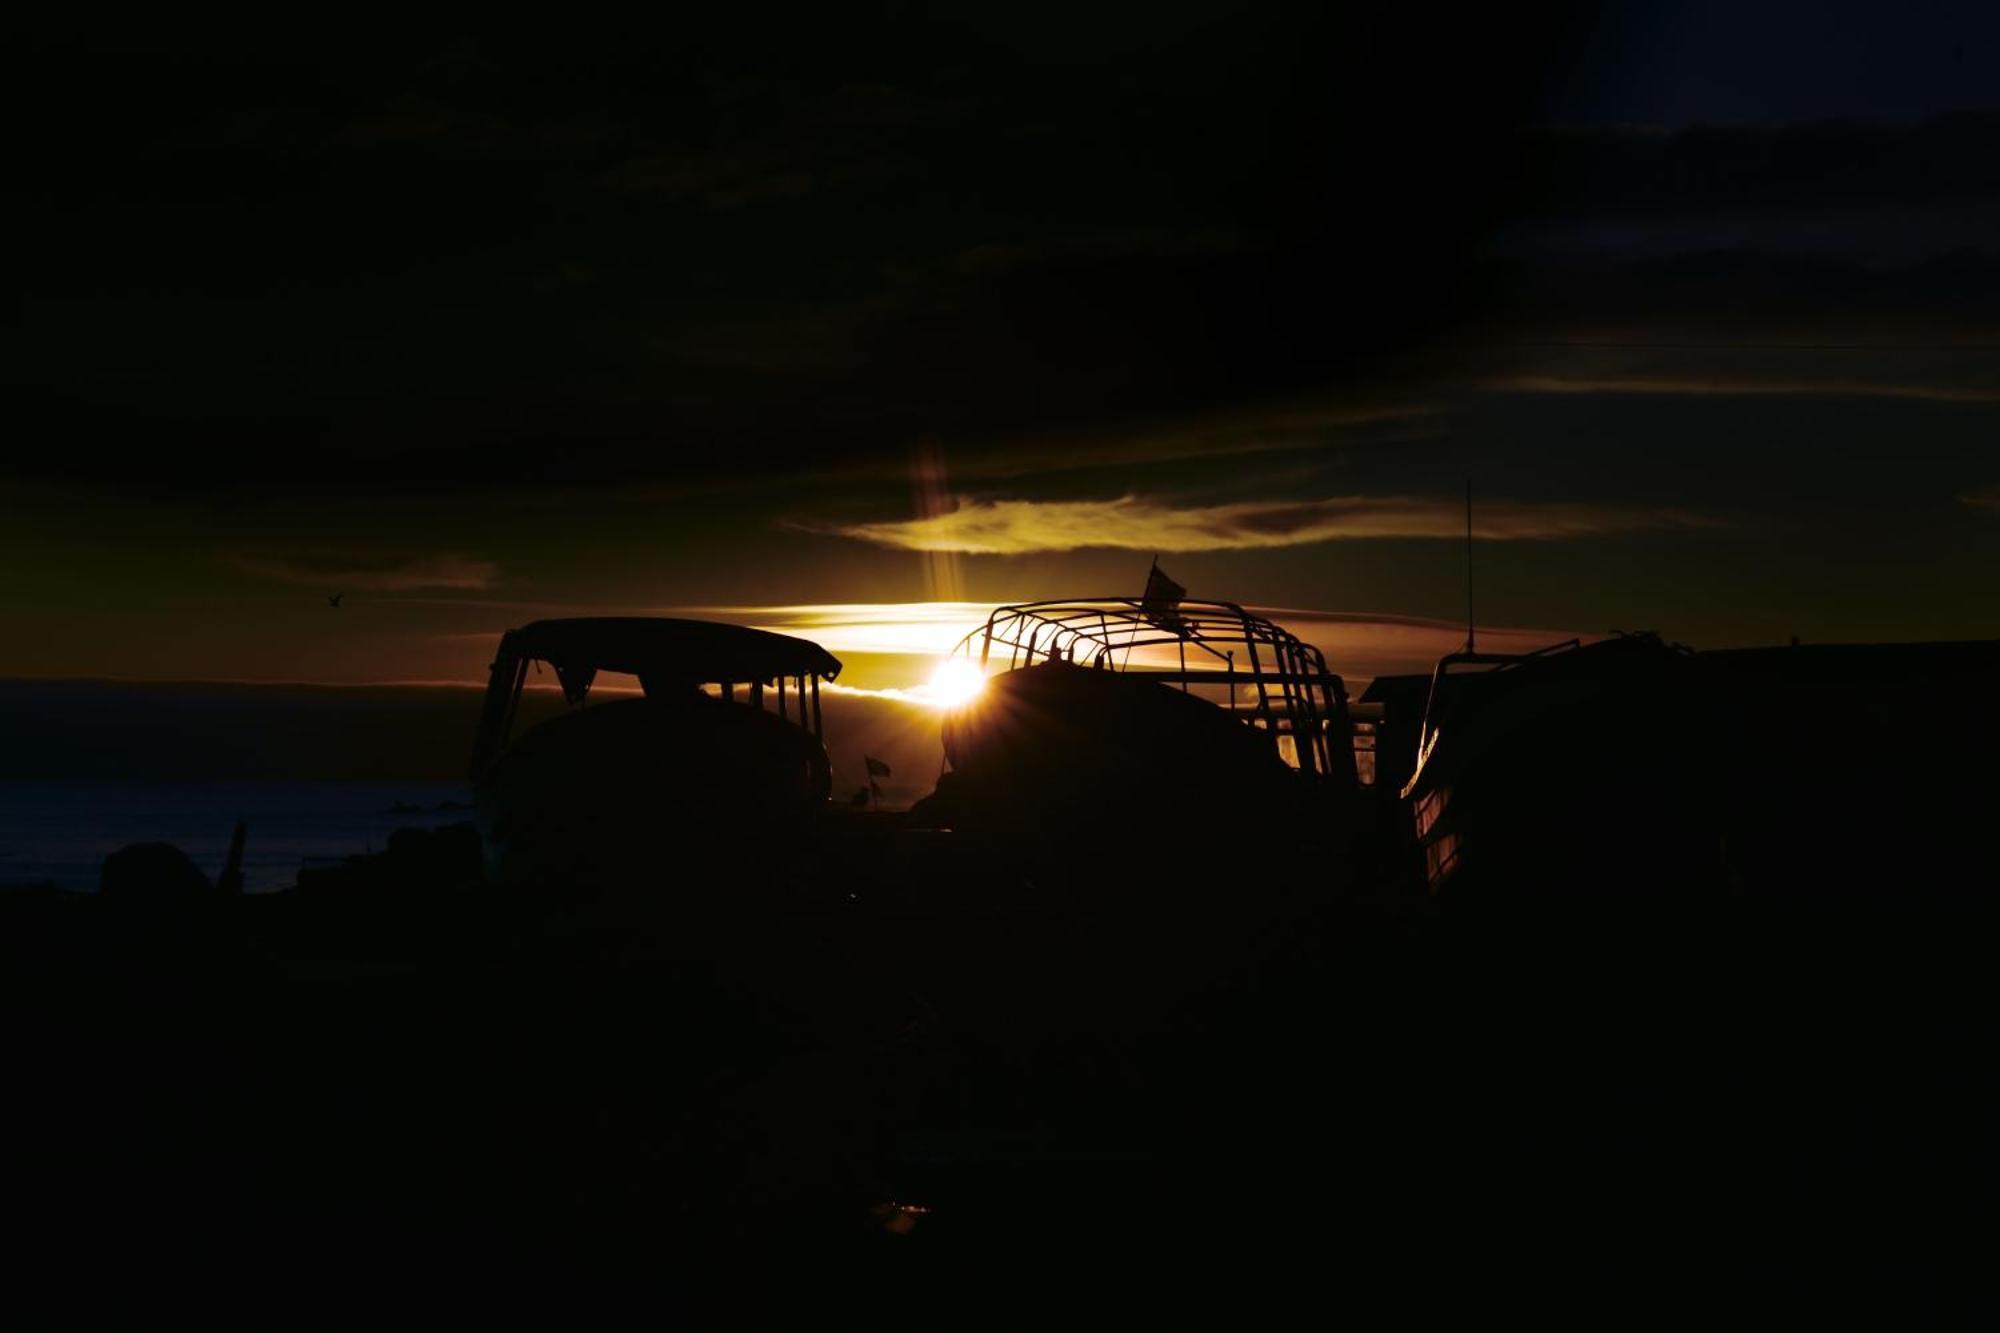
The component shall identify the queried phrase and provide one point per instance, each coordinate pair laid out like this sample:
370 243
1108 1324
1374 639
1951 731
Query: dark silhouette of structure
1139 999
1145 718
1144 767
1633 769
630 792
231 879
153 874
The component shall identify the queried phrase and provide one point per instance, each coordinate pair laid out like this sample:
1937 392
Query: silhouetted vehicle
1544 773
722 751
1118 719
1630 768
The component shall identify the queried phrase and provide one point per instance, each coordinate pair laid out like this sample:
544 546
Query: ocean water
59 832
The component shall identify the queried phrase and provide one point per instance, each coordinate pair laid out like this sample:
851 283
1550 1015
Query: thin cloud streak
1013 527
1713 387
1292 429
868 627
925 695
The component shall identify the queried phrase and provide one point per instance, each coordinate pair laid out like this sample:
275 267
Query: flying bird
334 600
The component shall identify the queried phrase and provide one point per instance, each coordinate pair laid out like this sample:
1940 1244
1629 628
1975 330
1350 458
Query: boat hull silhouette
1066 748
1148 718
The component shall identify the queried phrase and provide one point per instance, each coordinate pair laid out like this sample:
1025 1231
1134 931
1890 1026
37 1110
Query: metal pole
1470 638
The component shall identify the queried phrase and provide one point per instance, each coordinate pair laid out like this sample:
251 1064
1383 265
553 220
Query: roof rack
665 655
1266 675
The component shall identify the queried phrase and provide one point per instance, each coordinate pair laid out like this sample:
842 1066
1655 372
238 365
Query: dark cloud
1641 169
1734 297
1873 233
461 262
642 314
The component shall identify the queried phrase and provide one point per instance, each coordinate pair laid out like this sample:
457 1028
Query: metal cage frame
1286 680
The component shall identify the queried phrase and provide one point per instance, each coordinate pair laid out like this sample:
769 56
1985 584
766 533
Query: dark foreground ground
975 1091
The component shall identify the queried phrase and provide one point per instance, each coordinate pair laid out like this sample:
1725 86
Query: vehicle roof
699 650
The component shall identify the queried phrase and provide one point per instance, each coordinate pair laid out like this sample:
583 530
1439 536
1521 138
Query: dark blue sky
1686 62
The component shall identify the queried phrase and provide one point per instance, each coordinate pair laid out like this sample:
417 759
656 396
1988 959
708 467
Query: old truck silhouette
717 756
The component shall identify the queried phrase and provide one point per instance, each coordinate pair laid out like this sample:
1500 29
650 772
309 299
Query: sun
955 683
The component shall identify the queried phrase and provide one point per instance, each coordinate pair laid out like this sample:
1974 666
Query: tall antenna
1470 636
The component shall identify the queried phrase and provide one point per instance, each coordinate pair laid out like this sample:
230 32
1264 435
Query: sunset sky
781 320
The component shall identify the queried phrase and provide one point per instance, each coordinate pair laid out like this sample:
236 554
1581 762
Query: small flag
1162 596
876 768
